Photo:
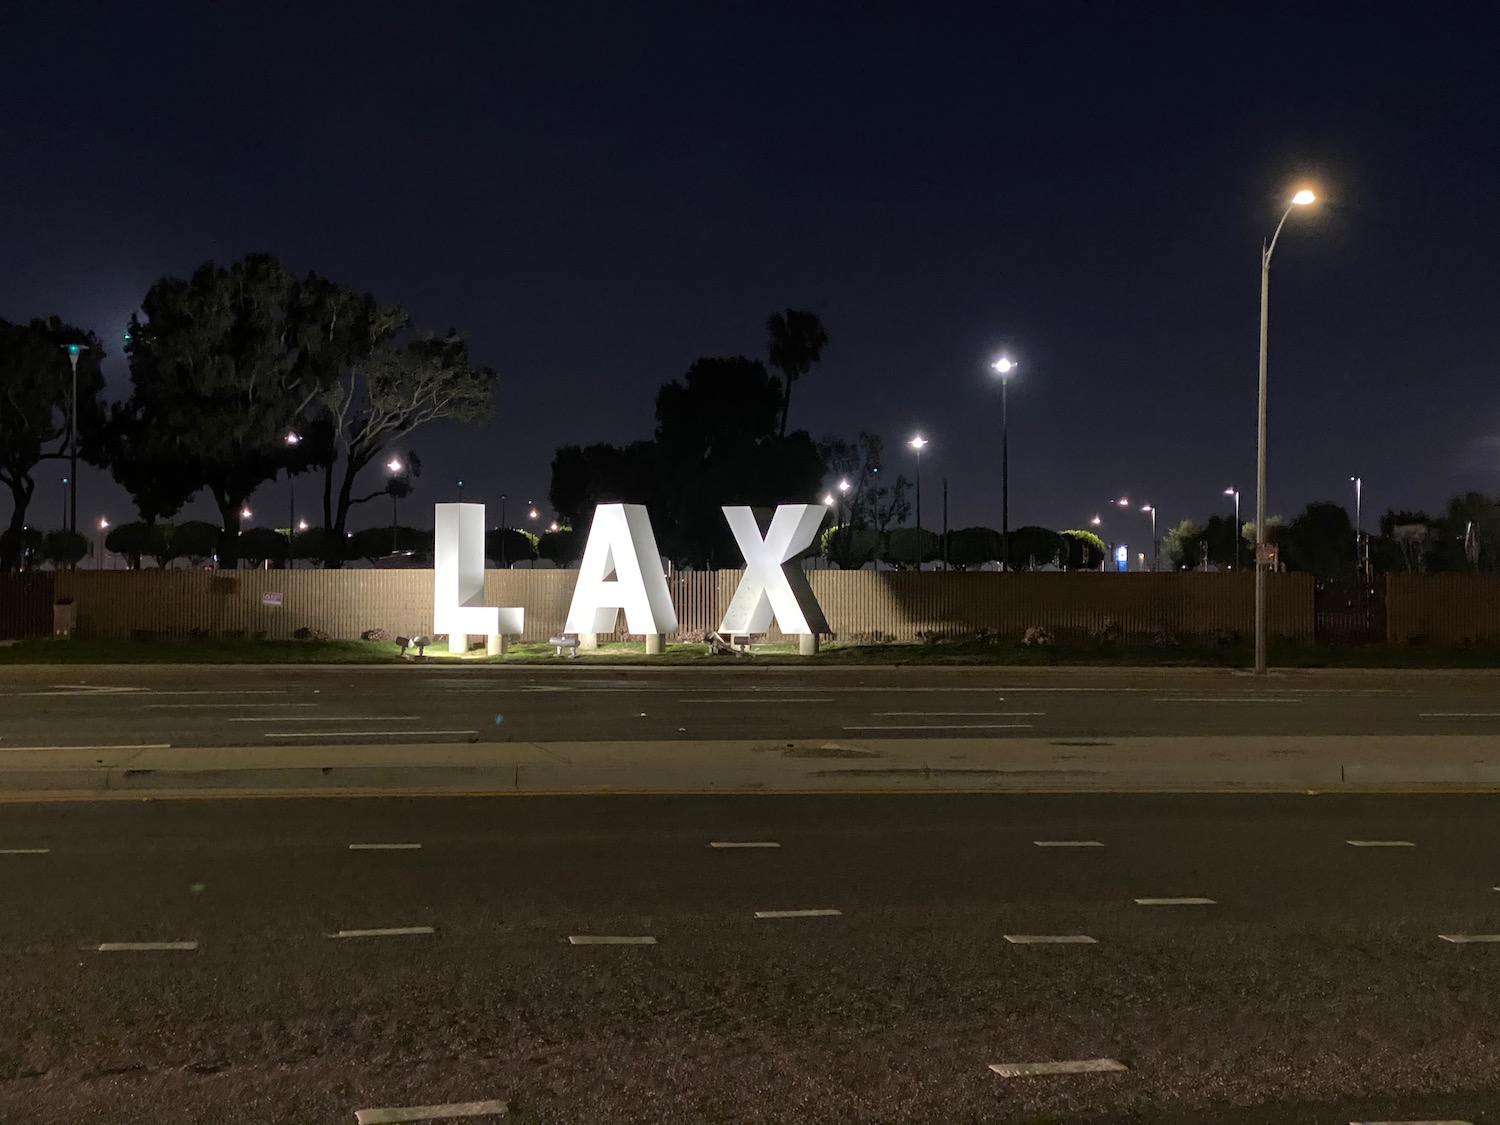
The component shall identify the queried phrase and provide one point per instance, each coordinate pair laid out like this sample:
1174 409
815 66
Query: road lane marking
1470 939
946 726
394 1115
384 847
1067 843
1074 1066
1380 843
101 746
201 706
610 939
24 851
145 946
744 844
1459 715
1050 939
362 733
324 719
1227 699
1445 1121
798 913
757 700
1175 902
390 931
957 714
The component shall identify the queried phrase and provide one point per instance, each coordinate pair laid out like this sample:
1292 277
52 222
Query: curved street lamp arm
1271 246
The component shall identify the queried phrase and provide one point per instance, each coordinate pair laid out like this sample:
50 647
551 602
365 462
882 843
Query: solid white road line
1175 902
393 1115
24 851
1380 843
744 844
324 719
1443 1122
1050 939
1470 939
1227 699
363 733
384 847
947 726
757 700
1067 843
102 746
1459 715
798 913
247 691
610 939
201 706
1075 1066
392 931
957 714
144 946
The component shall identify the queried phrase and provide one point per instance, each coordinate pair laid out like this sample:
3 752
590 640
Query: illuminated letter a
621 570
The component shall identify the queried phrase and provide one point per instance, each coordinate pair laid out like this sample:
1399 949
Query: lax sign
621 572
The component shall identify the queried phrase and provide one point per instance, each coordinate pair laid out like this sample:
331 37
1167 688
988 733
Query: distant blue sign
1122 558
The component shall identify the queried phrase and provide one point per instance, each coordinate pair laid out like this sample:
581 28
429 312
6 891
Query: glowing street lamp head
1231 491
301 525
1003 365
828 499
1303 198
395 465
1147 508
844 485
1123 501
103 523
293 438
918 443
531 515
245 513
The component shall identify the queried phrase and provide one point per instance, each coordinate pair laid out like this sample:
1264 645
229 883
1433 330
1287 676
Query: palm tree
797 339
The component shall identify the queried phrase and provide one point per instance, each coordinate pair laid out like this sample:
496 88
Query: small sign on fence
271 597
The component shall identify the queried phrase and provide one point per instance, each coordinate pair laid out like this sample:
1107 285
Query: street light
394 466
1301 199
74 351
1358 528
103 550
292 439
1003 367
460 492
245 513
1155 554
502 531
919 443
1235 492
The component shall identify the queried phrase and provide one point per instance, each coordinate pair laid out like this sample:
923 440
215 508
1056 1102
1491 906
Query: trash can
64 618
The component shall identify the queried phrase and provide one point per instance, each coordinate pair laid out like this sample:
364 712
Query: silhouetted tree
1319 542
796 339
970 547
1086 551
64 548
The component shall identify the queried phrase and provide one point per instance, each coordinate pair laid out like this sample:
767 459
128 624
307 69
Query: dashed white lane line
390 931
1072 1066
324 719
1471 939
394 1115
958 714
611 939
24 851
1380 843
758 701
1227 699
384 847
363 733
145 946
1050 939
101 746
798 913
744 844
946 726
1459 715
1175 902
1068 843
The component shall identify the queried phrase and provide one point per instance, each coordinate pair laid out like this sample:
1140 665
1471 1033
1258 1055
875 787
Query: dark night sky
600 193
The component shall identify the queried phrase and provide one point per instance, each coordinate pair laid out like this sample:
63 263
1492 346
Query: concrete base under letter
655 644
496 644
807 644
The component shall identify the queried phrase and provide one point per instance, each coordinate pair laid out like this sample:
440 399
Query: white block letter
458 607
774 587
621 543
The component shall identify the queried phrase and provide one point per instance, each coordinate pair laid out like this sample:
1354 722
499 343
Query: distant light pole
1301 199
1155 554
1235 492
293 440
919 443
66 487
103 550
460 492
1358 528
502 531
393 466
74 351
1003 367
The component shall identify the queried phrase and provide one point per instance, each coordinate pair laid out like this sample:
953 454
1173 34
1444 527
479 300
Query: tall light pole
1155 554
393 466
919 443
74 351
1358 527
1235 492
292 440
1003 367
502 531
1301 199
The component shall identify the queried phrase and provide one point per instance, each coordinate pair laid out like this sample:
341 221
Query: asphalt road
1315 988
202 706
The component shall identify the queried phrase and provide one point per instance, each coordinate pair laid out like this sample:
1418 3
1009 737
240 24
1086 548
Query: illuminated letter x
774 587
